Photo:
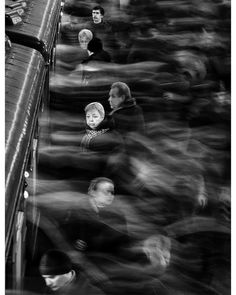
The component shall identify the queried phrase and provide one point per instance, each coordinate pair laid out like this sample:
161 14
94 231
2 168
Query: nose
110 198
48 282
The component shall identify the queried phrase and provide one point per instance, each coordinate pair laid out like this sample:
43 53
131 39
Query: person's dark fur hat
55 262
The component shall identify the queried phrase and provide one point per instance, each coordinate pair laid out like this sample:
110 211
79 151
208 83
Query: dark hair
98 7
95 45
55 262
93 184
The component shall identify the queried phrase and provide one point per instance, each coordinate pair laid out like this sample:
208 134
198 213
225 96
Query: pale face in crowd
83 42
55 282
115 99
93 118
97 16
158 255
104 194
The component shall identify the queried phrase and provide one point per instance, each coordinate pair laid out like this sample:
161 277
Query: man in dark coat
62 278
98 226
98 231
126 115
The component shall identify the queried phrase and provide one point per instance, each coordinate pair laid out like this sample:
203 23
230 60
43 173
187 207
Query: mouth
53 287
101 205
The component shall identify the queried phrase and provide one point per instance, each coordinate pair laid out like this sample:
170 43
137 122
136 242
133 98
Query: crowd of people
134 188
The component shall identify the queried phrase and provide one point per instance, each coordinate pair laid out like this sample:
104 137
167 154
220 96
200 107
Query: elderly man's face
115 99
97 16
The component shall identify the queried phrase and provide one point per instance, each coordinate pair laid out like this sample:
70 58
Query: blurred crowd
134 186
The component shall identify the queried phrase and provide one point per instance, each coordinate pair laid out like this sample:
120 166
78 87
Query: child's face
93 118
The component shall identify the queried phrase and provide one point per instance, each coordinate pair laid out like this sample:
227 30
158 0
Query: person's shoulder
85 286
138 107
108 22
129 108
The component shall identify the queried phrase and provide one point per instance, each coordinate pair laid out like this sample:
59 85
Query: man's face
115 99
104 194
55 282
97 16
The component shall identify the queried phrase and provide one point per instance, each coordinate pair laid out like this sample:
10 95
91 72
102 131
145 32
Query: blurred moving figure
96 51
69 57
85 36
98 226
126 116
157 249
70 27
62 278
142 275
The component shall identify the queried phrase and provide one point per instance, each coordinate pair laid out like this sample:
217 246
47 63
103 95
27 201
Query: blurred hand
202 200
80 245
168 95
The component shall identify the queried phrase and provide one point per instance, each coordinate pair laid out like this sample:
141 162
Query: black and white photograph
117 147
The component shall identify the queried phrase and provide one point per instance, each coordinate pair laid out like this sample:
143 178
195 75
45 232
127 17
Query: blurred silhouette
96 52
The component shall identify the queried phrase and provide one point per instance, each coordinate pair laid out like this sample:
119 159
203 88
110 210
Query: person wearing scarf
98 137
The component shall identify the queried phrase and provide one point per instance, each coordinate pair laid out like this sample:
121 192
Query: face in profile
97 16
115 99
55 282
104 194
93 118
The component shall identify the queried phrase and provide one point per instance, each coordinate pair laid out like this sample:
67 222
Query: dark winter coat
101 56
103 231
127 118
